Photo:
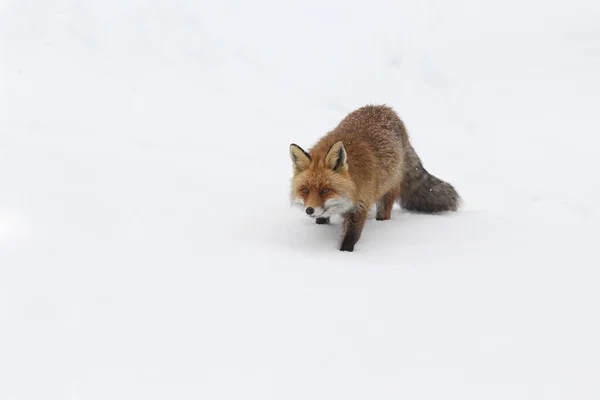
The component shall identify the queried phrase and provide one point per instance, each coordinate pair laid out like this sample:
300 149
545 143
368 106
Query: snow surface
148 249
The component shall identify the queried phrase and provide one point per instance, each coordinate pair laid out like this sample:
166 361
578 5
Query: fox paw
347 247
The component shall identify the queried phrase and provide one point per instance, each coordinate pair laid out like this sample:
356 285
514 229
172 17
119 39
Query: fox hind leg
385 205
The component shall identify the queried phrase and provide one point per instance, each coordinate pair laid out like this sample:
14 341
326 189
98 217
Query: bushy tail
420 191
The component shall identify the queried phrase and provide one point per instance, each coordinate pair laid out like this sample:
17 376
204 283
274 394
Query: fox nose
310 210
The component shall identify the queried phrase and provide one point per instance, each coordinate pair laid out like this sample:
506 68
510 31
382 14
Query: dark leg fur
354 223
322 220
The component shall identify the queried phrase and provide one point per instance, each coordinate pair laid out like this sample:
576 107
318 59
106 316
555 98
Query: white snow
148 249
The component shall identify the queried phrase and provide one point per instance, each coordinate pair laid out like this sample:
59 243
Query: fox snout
338 205
314 211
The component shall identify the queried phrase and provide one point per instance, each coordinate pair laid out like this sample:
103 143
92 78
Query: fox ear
300 158
336 158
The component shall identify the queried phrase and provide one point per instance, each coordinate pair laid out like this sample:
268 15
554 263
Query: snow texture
148 249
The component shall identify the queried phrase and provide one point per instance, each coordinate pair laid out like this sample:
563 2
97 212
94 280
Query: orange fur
366 160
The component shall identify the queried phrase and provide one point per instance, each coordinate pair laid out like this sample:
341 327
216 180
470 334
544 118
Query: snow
148 249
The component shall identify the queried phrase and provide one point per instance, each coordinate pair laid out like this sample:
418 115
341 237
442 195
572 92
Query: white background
148 249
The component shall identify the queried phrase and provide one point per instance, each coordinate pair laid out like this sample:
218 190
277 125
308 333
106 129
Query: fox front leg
354 222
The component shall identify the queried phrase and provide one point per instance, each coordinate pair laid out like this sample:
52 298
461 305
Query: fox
366 160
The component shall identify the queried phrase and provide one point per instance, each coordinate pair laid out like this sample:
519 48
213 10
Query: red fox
366 160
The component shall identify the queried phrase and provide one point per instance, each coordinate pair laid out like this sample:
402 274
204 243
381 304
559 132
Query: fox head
320 183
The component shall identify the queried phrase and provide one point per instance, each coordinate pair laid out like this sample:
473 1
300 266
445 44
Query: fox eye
325 191
305 191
